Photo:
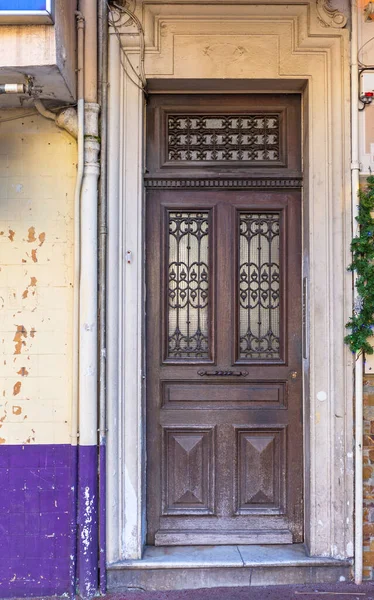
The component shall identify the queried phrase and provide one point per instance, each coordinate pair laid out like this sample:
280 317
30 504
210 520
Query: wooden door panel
230 527
183 141
190 394
211 537
260 471
188 473
224 387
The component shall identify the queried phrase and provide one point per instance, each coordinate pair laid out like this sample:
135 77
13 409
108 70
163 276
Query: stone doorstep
194 567
198 557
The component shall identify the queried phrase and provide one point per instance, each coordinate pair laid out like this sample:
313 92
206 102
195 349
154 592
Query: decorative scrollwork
330 17
259 285
224 138
188 285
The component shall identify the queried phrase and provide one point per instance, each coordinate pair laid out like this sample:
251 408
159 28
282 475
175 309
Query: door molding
233 184
252 41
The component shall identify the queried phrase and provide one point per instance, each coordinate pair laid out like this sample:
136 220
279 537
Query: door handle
293 374
223 373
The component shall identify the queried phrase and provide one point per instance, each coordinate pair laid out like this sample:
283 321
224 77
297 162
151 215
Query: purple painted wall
88 542
37 520
102 518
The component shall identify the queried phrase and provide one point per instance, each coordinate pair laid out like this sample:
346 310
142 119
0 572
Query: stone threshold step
207 557
198 567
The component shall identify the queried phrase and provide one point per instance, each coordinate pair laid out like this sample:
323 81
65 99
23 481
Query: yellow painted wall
37 178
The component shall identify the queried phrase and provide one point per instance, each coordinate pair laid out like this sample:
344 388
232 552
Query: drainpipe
77 226
88 301
65 119
103 101
355 166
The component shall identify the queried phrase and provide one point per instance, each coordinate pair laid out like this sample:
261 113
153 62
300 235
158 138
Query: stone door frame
247 46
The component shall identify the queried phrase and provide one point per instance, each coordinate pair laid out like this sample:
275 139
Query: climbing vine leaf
361 322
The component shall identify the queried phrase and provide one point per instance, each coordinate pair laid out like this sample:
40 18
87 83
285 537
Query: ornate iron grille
209 138
188 285
259 286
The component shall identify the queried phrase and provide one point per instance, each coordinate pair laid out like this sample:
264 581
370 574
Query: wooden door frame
317 65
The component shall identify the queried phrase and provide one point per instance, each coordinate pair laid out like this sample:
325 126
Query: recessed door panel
188 471
219 395
260 470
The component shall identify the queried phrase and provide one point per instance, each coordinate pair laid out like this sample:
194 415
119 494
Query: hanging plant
362 321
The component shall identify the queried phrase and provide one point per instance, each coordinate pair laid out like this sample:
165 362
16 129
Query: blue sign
23 5
26 11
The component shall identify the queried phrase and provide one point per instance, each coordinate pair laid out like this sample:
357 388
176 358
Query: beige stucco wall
37 177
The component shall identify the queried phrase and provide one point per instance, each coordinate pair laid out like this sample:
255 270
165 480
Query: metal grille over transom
259 285
188 285
209 138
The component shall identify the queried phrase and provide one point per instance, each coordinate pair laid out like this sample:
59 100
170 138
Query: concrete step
197 567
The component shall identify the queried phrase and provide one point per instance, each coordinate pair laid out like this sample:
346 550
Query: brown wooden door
224 421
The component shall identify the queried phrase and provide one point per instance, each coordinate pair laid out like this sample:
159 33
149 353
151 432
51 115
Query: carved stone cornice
160 183
330 17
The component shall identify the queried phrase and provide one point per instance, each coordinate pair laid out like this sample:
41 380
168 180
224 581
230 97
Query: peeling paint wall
37 178
37 462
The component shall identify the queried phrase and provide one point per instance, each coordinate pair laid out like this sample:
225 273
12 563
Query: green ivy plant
361 323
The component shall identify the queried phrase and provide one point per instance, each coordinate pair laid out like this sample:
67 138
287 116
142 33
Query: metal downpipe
103 102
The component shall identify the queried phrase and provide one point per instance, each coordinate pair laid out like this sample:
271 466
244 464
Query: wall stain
2 440
20 333
33 255
23 372
17 410
31 438
11 235
33 282
42 238
2 419
31 236
32 332
17 388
